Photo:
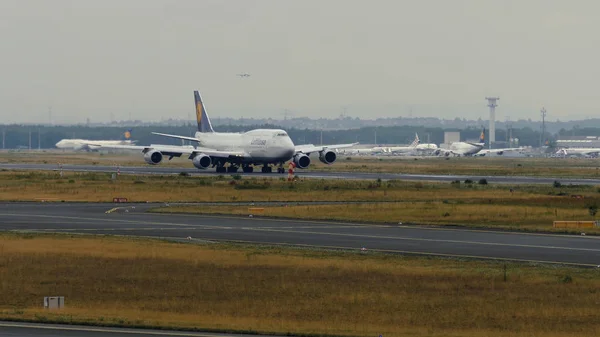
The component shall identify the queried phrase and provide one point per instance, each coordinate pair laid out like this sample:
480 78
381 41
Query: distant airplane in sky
242 75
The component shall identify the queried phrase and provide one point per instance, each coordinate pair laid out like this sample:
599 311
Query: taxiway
132 219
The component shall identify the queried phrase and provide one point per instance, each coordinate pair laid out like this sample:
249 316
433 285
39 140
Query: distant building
578 141
451 137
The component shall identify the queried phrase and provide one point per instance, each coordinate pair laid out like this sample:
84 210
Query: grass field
135 282
548 167
514 217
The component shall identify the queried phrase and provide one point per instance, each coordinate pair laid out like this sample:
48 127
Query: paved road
14 329
307 173
132 220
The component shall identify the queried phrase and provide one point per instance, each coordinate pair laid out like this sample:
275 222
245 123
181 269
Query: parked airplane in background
499 152
414 148
242 75
463 148
580 152
427 148
93 145
254 147
398 149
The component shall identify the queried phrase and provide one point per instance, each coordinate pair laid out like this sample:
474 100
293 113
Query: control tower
492 104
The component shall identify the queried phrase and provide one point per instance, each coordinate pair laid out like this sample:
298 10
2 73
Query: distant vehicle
242 75
463 148
255 147
93 145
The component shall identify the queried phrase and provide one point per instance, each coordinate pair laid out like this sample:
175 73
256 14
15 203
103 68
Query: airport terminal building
578 141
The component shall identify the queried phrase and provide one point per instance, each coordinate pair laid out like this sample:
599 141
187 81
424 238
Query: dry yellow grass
98 187
548 167
523 217
149 282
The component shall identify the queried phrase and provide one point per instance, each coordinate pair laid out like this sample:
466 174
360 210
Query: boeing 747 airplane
463 148
255 147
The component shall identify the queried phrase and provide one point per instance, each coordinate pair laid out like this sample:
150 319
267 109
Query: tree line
45 137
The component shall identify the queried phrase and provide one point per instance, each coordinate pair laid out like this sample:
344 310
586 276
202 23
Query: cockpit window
281 134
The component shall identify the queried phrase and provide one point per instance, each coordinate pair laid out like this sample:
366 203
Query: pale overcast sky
377 58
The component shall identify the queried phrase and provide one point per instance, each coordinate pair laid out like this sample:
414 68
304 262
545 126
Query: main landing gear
221 168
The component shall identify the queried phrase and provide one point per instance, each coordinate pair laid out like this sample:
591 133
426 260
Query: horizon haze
385 58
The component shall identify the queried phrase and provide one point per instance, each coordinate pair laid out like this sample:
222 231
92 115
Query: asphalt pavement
13 329
131 219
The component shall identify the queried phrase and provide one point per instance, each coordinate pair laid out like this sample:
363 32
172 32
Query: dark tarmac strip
303 173
55 330
453 242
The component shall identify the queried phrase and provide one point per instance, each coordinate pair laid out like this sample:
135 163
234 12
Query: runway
53 330
455 242
303 173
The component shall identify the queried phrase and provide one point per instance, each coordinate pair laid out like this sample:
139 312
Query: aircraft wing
218 153
176 136
498 151
92 146
310 148
481 145
178 151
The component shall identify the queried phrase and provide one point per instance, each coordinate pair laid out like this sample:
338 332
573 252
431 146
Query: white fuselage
465 149
85 144
500 152
405 149
262 145
427 147
393 149
580 151
356 152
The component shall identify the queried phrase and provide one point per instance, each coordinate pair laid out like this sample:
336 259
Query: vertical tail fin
416 141
127 134
482 136
201 115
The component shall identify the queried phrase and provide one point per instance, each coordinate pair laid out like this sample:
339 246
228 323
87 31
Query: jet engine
153 157
201 161
327 156
301 160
